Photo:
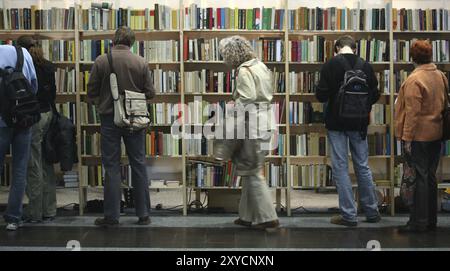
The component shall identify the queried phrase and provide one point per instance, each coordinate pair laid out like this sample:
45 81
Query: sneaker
241 222
375 219
339 220
106 222
13 226
268 226
144 221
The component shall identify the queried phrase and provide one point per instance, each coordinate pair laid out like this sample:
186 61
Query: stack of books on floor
71 179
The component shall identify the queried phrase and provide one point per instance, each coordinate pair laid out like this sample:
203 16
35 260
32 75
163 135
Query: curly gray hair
236 50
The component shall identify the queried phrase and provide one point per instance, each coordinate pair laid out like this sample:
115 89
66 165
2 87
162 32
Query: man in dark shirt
132 74
341 132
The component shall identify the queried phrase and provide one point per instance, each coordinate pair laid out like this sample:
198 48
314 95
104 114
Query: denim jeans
111 136
20 141
360 155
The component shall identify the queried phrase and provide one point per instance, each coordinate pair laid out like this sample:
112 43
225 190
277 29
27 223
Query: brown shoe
268 226
241 222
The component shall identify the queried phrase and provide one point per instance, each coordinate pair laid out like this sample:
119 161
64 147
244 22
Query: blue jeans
360 156
20 141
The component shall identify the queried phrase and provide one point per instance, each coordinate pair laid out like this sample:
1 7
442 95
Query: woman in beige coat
418 124
254 93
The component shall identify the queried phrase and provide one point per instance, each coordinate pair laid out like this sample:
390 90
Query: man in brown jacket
132 74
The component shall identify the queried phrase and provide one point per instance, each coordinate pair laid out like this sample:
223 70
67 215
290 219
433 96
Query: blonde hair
236 50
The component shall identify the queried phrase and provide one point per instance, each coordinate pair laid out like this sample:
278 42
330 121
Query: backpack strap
19 63
111 68
344 63
359 65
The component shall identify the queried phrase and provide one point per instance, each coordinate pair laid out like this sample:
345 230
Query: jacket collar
121 47
346 50
426 67
249 63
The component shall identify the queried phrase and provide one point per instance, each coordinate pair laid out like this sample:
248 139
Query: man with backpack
19 110
348 87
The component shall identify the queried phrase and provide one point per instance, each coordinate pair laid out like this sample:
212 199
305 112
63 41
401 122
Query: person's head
124 36
236 50
26 42
345 41
421 52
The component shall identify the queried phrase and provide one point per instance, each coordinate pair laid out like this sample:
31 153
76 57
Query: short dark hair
124 36
26 42
345 41
421 52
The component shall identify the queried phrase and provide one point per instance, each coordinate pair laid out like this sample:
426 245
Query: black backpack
353 98
19 107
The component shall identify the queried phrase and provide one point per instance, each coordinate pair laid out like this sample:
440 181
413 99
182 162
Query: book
311 176
420 19
197 17
37 19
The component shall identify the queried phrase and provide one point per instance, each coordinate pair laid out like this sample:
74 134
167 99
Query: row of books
157 50
89 114
156 144
306 82
311 144
209 81
196 17
152 51
333 18
423 19
380 114
37 19
441 50
201 174
276 175
311 176
305 112
166 81
58 50
163 81
379 144
269 50
318 49
161 17
65 80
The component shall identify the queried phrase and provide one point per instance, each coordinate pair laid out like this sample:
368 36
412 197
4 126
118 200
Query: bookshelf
181 74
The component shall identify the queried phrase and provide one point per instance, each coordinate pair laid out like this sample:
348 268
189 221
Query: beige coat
420 103
254 87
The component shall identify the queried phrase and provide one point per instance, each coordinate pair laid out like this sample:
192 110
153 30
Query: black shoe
144 221
411 229
375 219
48 219
432 227
106 222
339 220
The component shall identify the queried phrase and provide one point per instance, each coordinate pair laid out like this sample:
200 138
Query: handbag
446 115
130 109
408 183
